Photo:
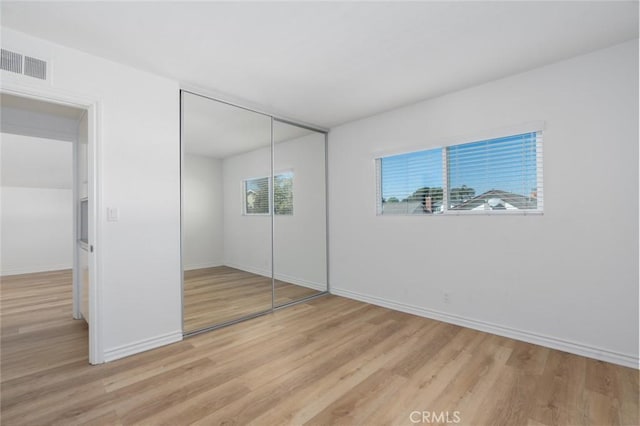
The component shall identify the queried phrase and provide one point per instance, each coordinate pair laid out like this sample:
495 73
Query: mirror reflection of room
226 249
239 202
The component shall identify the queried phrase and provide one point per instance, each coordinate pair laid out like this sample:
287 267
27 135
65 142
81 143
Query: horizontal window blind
283 194
411 183
489 175
495 174
256 196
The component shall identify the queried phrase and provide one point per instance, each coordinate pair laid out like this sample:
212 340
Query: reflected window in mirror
256 195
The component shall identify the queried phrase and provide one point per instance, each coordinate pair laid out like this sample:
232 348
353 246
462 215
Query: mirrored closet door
299 222
226 222
253 213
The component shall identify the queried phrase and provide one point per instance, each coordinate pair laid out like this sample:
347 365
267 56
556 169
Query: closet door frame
184 89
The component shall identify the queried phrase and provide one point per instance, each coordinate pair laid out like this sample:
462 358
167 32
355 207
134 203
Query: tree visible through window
411 183
256 195
256 192
283 193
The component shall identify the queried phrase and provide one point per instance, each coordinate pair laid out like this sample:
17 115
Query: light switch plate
112 214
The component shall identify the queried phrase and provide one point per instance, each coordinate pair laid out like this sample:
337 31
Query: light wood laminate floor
220 294
328 361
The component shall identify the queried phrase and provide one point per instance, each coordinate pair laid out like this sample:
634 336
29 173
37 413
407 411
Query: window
411 183
502 174
495 174
256 195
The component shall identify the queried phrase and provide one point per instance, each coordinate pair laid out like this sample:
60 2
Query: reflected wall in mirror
226 223
299 205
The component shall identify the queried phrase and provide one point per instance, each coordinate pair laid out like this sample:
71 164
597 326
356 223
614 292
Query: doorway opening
46 221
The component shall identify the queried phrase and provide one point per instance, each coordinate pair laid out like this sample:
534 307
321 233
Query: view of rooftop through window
408 178
492 174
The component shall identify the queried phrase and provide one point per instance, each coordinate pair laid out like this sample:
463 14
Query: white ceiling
330 62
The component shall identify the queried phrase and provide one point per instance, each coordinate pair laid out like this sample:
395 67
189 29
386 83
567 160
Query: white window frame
533 127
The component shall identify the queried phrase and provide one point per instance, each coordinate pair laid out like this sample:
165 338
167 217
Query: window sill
471 213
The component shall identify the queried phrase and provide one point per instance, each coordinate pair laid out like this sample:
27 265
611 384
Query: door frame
93 107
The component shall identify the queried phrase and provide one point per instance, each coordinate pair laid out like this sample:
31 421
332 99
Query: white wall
36 216
203 213
567 279
37 233
139 255
33 162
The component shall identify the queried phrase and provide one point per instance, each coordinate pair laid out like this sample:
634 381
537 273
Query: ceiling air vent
35 68
26 65
11 61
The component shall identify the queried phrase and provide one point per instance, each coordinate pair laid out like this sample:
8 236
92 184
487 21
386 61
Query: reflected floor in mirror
220 294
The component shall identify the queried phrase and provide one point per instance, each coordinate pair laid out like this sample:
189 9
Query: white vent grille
35 68
25 65
11 61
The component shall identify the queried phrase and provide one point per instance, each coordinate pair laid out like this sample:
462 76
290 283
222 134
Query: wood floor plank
327 361
629 395
560 387
307 403
466 390
602 378
269 390
427 383
219 294
363 399
602 409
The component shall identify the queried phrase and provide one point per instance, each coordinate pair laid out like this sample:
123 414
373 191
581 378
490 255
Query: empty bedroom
319 213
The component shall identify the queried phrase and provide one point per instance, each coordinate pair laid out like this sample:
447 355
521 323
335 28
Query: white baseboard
141 346
526 336
33 269
282 277
202 265
301 282
251 269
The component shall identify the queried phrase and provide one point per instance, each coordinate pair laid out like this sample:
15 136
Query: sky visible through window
403 174
257 184
507 164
